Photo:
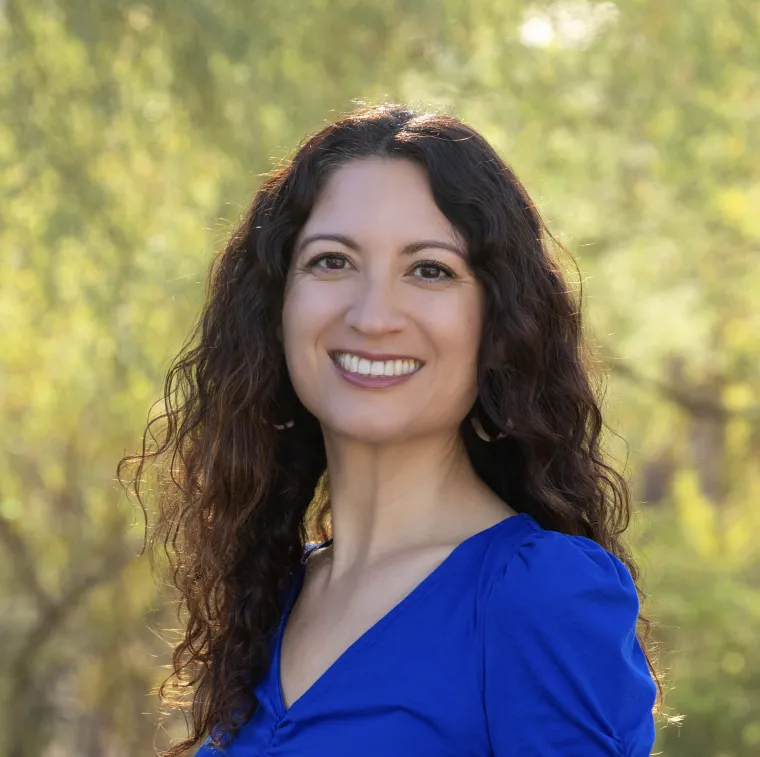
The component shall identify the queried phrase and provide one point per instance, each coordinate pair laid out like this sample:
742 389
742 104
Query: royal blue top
521 643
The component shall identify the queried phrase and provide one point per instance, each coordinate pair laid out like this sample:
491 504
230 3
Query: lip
375 356
372 382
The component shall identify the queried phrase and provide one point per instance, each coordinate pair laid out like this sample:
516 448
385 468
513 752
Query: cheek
465 362
300 313
458 326
297 335
307 299
306 316
294 331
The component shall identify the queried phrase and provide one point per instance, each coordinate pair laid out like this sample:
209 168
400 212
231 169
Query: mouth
374 371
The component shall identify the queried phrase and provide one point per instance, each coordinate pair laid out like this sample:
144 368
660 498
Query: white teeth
355 364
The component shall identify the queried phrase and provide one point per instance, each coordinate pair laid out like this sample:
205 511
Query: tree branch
681 396
47 626
24 565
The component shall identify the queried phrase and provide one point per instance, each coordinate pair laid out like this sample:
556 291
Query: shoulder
550 574
563 602
559 646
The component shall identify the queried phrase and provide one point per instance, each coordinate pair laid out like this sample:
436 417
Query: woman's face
379 284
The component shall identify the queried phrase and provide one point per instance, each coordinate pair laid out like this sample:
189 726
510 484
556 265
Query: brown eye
332 262
432 270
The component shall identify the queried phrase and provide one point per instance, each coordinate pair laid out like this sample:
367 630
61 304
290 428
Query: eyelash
426 263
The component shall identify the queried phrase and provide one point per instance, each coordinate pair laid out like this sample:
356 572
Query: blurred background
132 137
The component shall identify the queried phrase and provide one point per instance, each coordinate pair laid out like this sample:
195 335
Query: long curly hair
243 490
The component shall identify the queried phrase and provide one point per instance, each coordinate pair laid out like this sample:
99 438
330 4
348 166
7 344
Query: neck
385 497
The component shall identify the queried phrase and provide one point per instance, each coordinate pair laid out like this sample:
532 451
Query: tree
133 135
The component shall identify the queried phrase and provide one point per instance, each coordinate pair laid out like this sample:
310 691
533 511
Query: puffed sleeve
563 672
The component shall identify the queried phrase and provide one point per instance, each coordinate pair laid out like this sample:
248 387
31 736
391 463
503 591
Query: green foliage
133 134
707 610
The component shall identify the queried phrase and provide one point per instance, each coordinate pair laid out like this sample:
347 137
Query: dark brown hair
234 505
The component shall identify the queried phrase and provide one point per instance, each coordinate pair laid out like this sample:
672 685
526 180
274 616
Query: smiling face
382 317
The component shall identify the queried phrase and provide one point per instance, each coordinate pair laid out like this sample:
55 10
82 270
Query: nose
375 309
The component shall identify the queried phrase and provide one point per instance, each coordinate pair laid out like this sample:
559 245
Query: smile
362 366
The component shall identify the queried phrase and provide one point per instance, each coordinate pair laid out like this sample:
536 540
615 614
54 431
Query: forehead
382 196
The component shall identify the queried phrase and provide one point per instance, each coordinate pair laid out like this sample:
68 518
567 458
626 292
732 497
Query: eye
332 262
431 266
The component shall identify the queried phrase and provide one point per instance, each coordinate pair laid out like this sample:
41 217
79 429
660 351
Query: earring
481 432
282 427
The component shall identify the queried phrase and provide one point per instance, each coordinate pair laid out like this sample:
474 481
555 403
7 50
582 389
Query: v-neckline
363 639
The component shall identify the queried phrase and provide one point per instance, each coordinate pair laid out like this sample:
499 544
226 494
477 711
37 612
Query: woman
388 339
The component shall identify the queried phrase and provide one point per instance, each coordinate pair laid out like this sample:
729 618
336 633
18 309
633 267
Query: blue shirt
521 643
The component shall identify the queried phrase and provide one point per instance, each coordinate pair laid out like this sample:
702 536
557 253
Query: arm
564 674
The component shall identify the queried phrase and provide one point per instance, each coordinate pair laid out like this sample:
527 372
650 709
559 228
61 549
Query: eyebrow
409 249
